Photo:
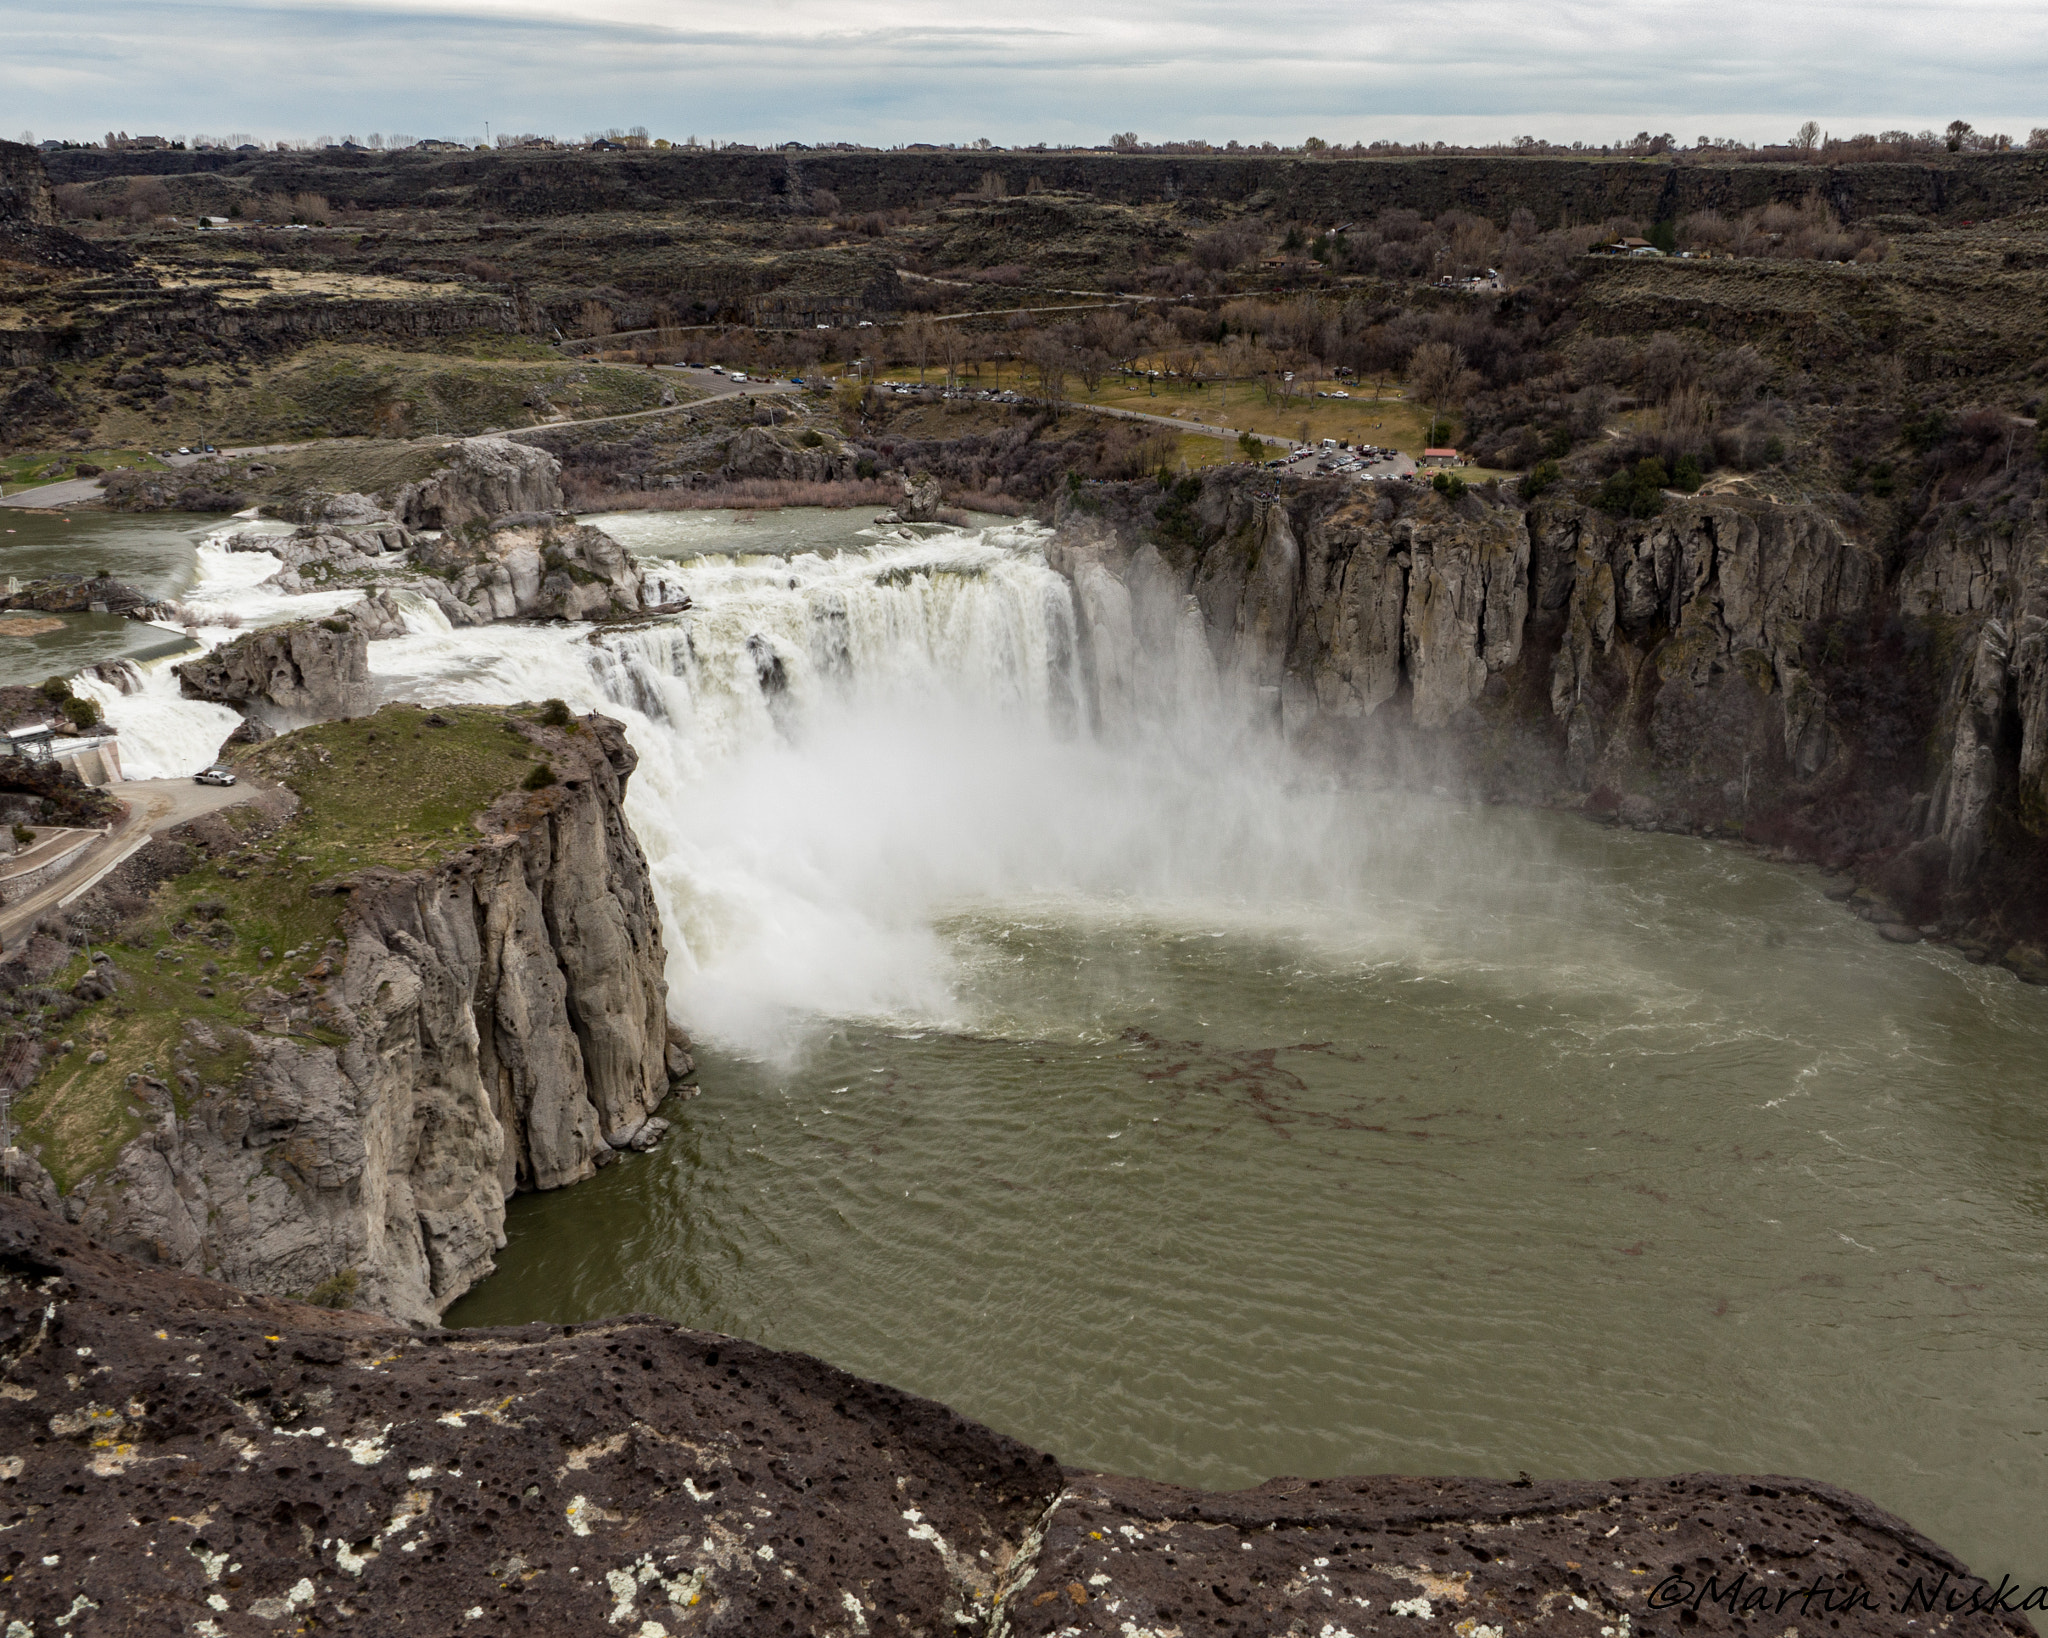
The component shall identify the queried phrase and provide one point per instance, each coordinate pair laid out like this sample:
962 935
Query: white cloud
1064 70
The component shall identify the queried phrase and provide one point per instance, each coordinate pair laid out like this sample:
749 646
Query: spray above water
844 750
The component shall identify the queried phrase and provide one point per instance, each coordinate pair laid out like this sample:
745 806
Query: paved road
71 492
154 806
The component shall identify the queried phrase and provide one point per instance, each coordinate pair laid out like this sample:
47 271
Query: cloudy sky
888 71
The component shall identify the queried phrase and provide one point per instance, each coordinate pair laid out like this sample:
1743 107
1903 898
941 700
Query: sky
1057 71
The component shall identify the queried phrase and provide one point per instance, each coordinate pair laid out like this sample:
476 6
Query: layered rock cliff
179 1457
1738 665
470 1006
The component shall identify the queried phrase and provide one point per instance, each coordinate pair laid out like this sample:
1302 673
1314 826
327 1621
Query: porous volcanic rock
177 1457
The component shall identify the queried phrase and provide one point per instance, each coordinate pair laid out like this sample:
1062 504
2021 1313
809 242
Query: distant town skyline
894 71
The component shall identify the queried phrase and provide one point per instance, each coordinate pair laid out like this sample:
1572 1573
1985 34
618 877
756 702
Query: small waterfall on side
163 734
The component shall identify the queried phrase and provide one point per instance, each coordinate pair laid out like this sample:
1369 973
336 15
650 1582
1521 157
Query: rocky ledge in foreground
311 1044
179 1457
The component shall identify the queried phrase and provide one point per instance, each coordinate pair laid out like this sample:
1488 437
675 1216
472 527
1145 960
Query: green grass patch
370 466
26 471
347 390
389 789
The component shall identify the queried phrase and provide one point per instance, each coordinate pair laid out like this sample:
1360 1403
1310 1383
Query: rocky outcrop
921 499
234 1463
77 594
535 567
308 671
315 555
493 1022
1736 665
28 218
25 196
754 452
347 507
485 478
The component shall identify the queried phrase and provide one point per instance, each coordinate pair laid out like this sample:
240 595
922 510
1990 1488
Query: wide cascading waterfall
819 737
841 747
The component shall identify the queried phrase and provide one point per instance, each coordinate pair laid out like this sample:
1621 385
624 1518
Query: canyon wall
1736 666
491 1021
1555 190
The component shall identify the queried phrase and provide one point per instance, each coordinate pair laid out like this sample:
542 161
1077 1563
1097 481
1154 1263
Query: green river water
1634 1155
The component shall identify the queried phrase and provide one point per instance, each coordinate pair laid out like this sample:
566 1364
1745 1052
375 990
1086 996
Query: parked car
215 775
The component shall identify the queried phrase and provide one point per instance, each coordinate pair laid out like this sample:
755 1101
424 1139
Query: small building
1442 457
96 759
31 740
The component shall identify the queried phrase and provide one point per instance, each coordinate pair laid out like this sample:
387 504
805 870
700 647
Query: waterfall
842 747
163 734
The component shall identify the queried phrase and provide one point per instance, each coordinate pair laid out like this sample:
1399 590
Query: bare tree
918 336
1046 353
952 350
1438 377
1806 139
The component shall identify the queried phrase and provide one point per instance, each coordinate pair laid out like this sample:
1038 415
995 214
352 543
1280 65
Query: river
1190 1112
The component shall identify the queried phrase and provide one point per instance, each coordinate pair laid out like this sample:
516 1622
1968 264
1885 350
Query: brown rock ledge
178 1457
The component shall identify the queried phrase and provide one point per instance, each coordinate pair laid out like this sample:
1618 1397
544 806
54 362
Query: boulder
539 568
921 499
487 478
309 671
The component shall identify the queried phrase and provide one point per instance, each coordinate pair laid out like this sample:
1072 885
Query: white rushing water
843 744
835 746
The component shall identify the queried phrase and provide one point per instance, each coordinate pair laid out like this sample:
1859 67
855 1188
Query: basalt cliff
1738 666
319 1040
